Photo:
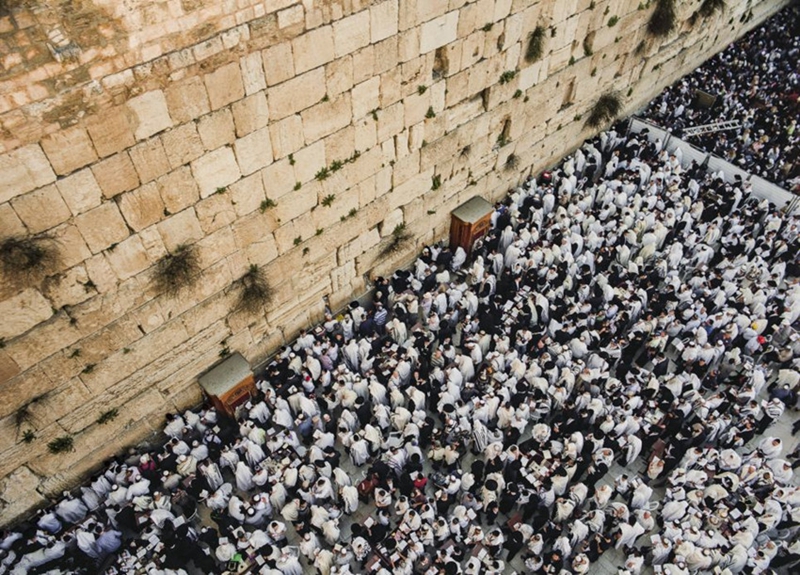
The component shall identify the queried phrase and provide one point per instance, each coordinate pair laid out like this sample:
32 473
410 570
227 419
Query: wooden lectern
229 384
469 222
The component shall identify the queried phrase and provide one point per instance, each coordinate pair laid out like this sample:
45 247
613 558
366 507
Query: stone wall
294 136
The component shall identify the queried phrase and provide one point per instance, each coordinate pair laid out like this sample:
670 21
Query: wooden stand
470 222
229 384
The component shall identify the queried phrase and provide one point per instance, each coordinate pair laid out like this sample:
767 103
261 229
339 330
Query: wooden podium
229 384
469 222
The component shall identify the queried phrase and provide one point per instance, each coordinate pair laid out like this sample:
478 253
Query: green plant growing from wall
297 186
607 107
108 416
25 258
517 94
28 436
708 7
328 200
336 165
507 76
177 270
323 173
254 290
662 20
535 48
587 47
400 238
267 204
421 89
430 113
436 182
512 162
613 21
62 444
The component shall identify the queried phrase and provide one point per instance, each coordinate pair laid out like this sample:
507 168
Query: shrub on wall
254 290
22 258
607 107
708 7
662 20
535 47
177 270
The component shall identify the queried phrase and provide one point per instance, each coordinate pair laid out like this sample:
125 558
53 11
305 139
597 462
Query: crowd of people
621 309
755 82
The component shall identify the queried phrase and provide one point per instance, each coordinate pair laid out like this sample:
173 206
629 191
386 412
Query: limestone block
383 20
69 150
42 209
23 170
308 161
474 16
342 145
215 212
60 401
101 274
366 134
290 16
149 159
263 250
102 227
278 179
386 55
73 249
278 63
407 14
472 50
390 222
80 191
215 170
182 228
142 207
296 203
341 276
297 94
286 136
18 489
153 244
351 33
326 118
313 49
182 144
178 190
187 100
216 246
363 64
10 224
247 194
416 108
392 88
150 114
250 114
438 32
254 151
110 131
115 175
408 45
366 97
216 129
23 311
339 76
253 76
502 9
128 258
224 85
359 245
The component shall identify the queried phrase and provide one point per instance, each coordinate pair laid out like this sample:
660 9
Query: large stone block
278 63
438 32
217 129
102 227
115 175
73 249
224 85
312 49
42 209
215 211
366 97
80 191
286 136
216 246
339 76
247 194
351 33
10 224
278 179
297 94
150 114
250 114
296 203
308 161
187 100
128 258
326 118
23 311
101 274
363 64
150 159
254 151
142 207
182 144
253 73
178 190
23 170
182 228
110 131
215 170
69 150
383 20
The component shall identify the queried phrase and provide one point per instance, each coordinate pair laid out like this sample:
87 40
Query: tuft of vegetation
662 20
708 7
107 416
28 436
61 444
517 94
607 107
323 173
587 47
24 258
221 190
436 182
431 212
328 200
374 114
512 162
306 251
126 350
430 113
267 204
298 240
224 352
507 76
571 60
465 151
488 27
399 239
336 165
75 353
291 160
613 21
255 291
297 186
319 232
535 48
351 214
421 89
325 98
177 270
89 368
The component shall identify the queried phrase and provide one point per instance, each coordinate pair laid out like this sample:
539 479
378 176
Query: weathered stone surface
150 160
253 151
102 227
187 100
215 170
42 209
10 224
182 145
142 207
351 33
68 288
224 85
278 63
23 170
80 191
150 114
69 150
326 118
439 32
216 129
297 94
110 132
23 311
128 258
250 114
308 162
286 136
313 49
178 190
215 212
182 228
279 179
366 97
247 194
116 175
383 20
253 76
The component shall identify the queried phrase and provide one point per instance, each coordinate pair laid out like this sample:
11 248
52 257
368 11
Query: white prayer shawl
244 477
